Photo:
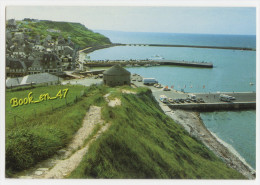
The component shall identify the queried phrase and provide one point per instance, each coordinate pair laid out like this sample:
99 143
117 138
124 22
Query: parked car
182 100
170 100
166 89
163 98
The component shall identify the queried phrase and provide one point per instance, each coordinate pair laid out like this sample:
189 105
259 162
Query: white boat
147 65
156 57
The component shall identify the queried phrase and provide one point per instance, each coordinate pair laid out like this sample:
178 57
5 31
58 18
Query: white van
192 96
223 97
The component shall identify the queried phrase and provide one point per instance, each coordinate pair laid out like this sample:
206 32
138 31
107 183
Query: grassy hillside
79 34
143 142
42 129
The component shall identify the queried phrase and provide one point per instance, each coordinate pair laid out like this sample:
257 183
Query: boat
251 83
156 57
147 65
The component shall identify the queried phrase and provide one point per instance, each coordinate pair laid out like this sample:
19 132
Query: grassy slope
36 138
79 34
144 143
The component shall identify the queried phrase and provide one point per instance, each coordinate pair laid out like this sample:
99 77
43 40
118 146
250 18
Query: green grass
143 142
37 138
79 34
31 111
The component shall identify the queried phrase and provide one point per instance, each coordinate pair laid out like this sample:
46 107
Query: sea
233 71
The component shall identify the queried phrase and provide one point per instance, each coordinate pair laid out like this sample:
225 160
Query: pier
242 101
212 103
146 63
190 46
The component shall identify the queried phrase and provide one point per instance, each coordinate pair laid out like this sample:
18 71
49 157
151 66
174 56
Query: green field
142 142
41 129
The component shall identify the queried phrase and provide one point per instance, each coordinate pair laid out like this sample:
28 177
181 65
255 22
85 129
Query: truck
224 97
163 98
149 81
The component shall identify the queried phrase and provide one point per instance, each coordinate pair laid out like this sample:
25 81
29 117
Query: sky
205 20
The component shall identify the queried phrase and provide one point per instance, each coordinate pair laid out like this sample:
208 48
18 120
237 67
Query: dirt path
193 124
62 164
114 102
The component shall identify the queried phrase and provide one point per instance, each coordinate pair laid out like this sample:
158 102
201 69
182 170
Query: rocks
193 124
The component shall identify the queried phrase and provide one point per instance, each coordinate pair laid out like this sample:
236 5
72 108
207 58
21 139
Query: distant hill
78 33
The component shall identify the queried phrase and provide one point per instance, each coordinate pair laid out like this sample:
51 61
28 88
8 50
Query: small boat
147 65
156 57
251 83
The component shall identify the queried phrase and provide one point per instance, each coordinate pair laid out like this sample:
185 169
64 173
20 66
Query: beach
194 125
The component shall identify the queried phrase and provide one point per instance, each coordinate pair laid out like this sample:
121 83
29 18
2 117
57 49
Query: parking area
203 97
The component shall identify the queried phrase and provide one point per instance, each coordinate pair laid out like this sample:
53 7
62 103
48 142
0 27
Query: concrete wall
205 107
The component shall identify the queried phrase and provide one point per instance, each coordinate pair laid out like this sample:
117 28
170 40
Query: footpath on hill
62 164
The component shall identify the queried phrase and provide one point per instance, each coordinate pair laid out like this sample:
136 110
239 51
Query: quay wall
179 63
207 107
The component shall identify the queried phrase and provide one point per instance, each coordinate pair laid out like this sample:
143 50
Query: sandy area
193 124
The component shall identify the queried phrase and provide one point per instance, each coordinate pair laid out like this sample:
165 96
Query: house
42 78
36 67
11 25
51 63
15 67
18 52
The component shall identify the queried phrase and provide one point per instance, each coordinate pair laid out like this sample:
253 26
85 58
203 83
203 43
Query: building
116 76
51 63
42 78
15 67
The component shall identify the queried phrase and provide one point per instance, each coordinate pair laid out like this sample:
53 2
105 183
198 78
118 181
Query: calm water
233 71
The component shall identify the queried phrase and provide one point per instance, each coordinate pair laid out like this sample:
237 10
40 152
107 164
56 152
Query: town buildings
27 53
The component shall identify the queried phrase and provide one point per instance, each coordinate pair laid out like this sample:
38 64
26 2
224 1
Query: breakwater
146 63
206 107
190 46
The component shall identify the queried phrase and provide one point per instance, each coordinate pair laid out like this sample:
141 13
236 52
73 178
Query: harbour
229 74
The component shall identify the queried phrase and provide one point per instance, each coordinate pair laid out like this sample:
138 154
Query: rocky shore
194 125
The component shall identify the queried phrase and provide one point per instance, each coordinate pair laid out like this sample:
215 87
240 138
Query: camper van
163 98
224 97
150 81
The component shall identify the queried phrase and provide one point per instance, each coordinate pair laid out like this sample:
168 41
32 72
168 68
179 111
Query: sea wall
205 107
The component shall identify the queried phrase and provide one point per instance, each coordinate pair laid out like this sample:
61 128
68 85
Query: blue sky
209 20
